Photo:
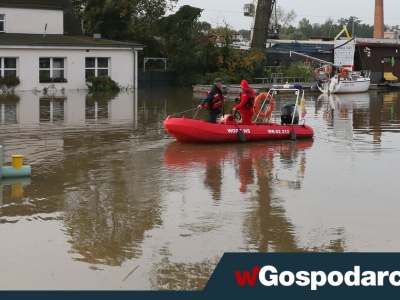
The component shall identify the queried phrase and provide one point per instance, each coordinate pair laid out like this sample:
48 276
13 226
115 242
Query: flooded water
114 203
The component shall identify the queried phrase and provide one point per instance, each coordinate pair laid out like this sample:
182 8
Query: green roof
49 40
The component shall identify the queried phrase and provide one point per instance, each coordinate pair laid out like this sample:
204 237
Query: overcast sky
219 12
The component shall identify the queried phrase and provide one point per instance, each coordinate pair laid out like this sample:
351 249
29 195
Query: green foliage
298 69
102 84
79 7
123 19
330 28
9 81
208 78
188 50
52 79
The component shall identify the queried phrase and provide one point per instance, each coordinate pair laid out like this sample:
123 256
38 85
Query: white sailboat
346 80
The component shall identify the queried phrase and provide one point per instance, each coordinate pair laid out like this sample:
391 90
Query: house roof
71 24
59 40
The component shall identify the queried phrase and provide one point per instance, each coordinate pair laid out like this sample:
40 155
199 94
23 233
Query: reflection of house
41 42
71 108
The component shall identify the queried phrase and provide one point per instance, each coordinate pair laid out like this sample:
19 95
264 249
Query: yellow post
17 161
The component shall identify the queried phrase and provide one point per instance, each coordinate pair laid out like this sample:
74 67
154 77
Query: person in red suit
245 102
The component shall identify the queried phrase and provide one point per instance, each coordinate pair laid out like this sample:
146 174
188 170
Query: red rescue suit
245 106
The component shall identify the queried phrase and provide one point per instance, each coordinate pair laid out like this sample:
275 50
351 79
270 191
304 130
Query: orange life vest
216 102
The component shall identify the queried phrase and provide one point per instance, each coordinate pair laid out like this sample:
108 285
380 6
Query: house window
8 67
1 23
96 67
51 69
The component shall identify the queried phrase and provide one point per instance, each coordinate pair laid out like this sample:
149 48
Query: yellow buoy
16 161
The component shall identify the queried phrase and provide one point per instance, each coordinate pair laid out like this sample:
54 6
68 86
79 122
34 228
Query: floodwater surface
114 203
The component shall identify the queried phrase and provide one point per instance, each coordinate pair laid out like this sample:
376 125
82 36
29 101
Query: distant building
395 35
278 51
379 56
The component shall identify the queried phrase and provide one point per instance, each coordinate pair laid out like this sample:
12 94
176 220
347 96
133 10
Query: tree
263 15
282 18
123 19
188 50
305 28
356 28
351 24
330 28
79 7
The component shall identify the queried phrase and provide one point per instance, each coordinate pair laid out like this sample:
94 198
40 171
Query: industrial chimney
378 20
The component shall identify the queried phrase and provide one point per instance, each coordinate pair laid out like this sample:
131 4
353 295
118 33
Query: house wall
121 66
34 21
378 59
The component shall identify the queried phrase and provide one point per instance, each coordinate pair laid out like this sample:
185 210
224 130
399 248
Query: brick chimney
378 20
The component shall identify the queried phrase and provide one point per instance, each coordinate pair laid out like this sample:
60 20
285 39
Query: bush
102 84
52 79
298 69
208 78
9 81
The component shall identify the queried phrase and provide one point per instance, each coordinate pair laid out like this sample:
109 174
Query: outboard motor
287 114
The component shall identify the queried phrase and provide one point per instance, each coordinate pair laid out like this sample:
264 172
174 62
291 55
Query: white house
42 43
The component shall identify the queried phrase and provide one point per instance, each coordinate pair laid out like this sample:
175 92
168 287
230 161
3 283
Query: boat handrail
295 106
297 88
287 86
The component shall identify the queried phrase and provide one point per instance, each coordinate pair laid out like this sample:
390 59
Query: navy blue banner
307 275
270 275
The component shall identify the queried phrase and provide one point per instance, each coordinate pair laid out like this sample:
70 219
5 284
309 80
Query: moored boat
229 129
345 82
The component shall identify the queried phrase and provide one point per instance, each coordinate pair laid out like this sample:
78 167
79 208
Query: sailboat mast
313 58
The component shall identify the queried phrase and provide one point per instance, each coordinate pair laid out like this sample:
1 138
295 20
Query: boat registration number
278 131
236 130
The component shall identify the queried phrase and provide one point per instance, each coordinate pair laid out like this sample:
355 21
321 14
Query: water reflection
340 111
71 108
13 188
250 161
262 171
360 114
135 210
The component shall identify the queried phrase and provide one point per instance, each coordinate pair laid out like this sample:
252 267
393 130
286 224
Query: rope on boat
196 114
178 113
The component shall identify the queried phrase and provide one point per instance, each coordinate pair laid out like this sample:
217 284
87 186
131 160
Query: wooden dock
236 89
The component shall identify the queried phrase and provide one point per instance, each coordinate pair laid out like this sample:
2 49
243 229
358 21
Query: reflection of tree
107 218
267 226
181 276
98 184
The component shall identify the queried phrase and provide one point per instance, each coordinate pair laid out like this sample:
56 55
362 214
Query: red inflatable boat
229 130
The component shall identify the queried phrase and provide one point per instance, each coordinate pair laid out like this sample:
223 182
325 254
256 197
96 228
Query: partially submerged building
42 43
